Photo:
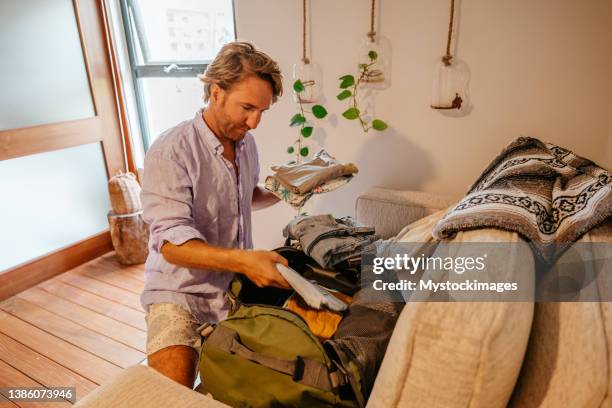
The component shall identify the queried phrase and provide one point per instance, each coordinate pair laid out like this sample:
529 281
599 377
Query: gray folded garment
330 241
304 177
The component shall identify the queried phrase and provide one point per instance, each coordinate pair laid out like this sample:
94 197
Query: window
55 157
170 42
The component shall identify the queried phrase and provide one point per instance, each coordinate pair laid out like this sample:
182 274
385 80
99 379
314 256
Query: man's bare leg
177 363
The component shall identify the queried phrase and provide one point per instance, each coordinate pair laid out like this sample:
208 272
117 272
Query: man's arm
263 198
258 266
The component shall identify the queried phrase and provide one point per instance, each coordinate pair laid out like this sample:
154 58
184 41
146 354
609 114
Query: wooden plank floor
78 329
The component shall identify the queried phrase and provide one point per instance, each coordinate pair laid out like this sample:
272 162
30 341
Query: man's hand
260 268
263 199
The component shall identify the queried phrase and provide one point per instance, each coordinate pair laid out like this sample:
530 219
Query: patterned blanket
544 192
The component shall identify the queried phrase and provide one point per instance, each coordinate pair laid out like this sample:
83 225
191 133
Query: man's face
239 109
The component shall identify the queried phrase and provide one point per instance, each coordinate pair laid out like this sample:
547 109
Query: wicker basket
130 237
124 193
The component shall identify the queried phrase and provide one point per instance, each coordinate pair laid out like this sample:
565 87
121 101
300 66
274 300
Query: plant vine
348 81
299 119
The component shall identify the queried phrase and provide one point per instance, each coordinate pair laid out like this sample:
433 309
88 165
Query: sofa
461 354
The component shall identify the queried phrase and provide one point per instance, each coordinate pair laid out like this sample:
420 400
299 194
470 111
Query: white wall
540 68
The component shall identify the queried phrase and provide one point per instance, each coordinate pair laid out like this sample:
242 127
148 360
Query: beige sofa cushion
569 356
142 387
389 210
455 354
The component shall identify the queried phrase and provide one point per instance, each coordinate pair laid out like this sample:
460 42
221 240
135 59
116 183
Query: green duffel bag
265 356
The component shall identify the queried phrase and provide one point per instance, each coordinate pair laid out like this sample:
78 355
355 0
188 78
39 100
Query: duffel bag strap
303 370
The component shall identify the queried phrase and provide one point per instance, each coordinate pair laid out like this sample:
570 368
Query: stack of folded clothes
296 183
333 243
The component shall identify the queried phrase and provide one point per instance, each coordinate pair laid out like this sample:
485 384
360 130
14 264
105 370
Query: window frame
132 21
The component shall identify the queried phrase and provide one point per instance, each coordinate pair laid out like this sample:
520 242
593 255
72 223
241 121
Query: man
199 185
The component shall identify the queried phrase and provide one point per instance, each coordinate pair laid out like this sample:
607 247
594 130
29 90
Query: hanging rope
447 58
372 33
305 59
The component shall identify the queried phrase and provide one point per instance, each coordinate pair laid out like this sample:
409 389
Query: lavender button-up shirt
190 191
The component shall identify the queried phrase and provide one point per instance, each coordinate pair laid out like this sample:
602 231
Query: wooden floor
78 329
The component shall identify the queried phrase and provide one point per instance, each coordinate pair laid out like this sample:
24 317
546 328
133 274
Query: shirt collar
208 135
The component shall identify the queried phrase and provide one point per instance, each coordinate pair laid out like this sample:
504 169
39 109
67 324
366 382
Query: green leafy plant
299 119
349 87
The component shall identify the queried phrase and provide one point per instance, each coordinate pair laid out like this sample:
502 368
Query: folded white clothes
302 178
313 294
298 200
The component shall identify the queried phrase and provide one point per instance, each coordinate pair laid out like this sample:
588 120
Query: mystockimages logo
413 264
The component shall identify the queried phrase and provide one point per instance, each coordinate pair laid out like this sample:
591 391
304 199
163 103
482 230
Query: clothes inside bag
323 323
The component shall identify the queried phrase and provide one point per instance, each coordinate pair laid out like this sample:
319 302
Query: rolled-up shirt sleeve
167 201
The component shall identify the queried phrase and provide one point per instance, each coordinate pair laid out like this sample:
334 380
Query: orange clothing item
323 323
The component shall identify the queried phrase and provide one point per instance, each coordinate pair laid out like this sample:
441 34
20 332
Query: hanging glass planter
451 78
378 73
373 66
310 74
307 90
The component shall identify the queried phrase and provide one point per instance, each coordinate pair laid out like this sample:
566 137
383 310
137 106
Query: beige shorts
168 324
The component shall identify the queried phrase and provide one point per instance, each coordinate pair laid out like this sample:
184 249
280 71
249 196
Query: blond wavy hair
234 62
